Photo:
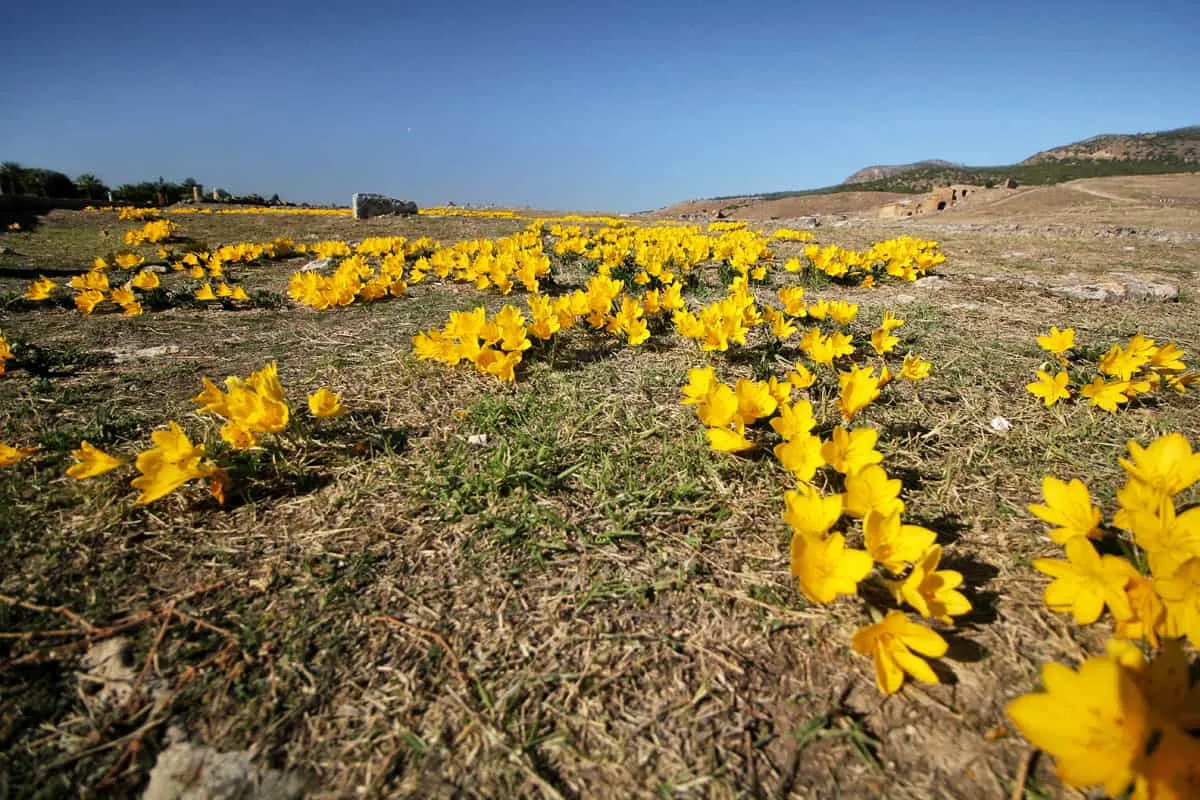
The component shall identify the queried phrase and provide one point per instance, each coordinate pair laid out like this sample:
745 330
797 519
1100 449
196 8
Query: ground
550 589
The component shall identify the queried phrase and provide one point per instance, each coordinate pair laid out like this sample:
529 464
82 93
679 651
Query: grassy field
547 589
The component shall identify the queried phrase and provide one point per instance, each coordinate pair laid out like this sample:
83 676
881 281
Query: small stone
186 771
316 264
477 439
904 299
1000 425
932 282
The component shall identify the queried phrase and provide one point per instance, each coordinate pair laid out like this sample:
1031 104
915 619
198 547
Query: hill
1101 156
1181 144
881 171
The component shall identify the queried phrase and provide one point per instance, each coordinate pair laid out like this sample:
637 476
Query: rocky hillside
1158 153
1181 144
881 171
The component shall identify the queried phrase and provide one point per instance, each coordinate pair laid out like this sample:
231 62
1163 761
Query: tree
49 183
12 178
91 186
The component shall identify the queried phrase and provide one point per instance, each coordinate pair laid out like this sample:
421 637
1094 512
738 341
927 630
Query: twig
64 611
1018 787
455 664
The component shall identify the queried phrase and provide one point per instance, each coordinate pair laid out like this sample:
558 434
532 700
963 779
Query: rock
107 674
366 205
187 771
932 282
1010 183
1137 288
1121 286
904 299
316 264
1091 291
122 355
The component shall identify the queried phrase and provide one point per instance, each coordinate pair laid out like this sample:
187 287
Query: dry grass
589 604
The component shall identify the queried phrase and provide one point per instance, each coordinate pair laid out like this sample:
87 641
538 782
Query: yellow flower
39 289
10 455
122 296
701 381
890 321
754 401
891 643
87 301
1168 464
239 295
172 462
91 462
1069 508
1180 593
133 309
1050 388
792 298
801 377
324 403
1057 342
842 312
933 592
1086 582
719 406
1149 618
726 440
1106 396
93 279
6 352
869 490
810 513
893 544
883 341
145 280
860 387
205 292
129 260
848 451
914 368
1095 722
825 567
801 455
1168 539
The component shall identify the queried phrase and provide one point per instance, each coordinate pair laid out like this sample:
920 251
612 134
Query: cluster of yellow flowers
1122 373
155 231
200 265
789 235
500 263
473 213
1123 720
496 347
130 213
825 568
354 279
251 407
93 287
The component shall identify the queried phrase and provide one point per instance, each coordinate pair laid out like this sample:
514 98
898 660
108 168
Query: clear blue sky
622 106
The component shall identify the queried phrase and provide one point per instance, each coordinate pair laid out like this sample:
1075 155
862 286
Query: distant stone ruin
939 199
367 205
